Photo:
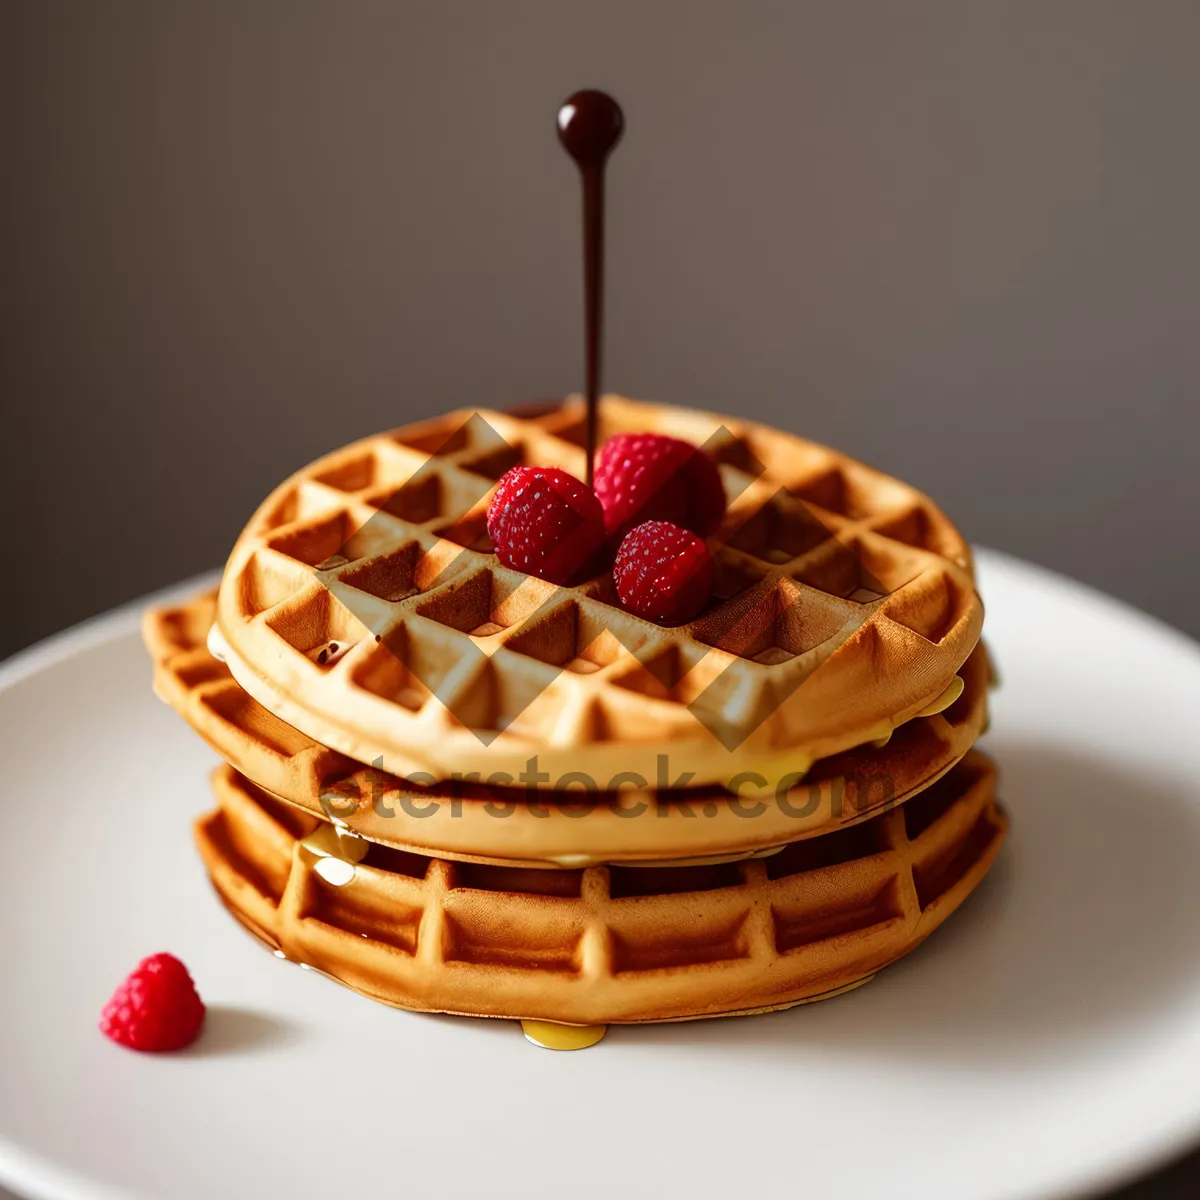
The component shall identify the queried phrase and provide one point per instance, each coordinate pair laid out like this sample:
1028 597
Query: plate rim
1143 1152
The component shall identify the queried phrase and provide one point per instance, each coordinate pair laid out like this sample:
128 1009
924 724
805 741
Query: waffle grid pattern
365 585
463 822
606 944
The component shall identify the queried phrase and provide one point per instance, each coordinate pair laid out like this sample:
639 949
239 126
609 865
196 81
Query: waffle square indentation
237 708
267 580
933 879
858 570
265 870
436 491
363 912
185 628
353 475
203 670
482 928
734 574
851 491
487 602
392 577
780 530
403 670
800 926
492 462
319 626
917 526
336 538
773 623
499 697
570 635
470 532
709 940
931 609
673 673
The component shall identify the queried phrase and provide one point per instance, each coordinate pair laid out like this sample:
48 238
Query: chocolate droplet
590 124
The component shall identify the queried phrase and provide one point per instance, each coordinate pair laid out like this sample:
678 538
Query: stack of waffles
458 788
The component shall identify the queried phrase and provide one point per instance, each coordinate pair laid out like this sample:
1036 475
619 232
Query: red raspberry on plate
663 573
650 477
545 522
156 1008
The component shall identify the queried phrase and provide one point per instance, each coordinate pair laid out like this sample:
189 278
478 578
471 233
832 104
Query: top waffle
363 605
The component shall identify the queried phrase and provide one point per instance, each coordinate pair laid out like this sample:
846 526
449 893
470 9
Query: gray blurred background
959 240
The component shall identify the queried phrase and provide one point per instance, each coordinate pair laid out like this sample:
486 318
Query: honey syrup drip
549 1035
335 853
216 644
953 690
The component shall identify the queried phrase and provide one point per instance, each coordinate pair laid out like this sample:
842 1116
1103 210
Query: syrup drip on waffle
335 853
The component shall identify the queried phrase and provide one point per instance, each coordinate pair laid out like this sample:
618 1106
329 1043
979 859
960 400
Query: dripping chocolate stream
590 124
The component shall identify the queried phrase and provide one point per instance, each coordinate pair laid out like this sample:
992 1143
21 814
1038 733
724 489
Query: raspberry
545 522
156 1008
663 573
649 477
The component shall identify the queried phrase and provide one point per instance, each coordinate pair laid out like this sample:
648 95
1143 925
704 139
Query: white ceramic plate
1044 1043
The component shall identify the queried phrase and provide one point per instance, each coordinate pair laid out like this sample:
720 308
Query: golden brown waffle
500 824
603 944
362 605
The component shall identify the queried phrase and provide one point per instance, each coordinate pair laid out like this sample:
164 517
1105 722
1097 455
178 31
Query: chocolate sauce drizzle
590 124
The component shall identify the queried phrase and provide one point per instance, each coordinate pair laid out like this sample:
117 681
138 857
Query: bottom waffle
601 945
